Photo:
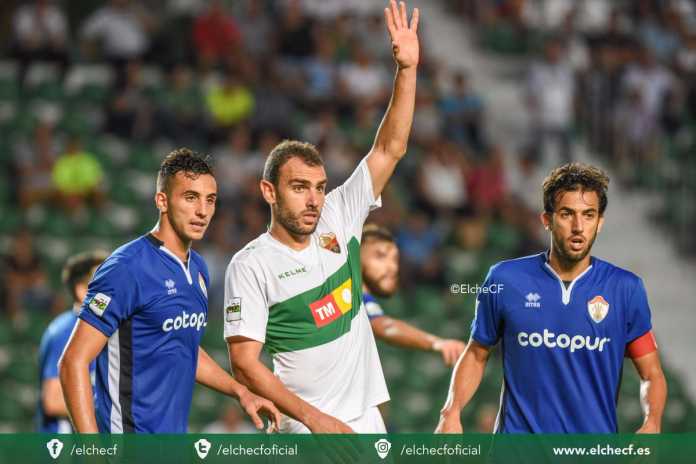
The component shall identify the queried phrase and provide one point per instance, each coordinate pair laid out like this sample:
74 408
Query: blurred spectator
486 182
40 33
321 74
229 103
462 111
232 162
256 29
26 286
364 79
180 108
419 240
442 182
651 80
231 420
78 176
550 99
659 30
34 159
294 33
130 112
123 28
216 35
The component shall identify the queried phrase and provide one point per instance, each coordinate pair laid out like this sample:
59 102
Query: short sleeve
246 308
49 367
353 200
487 326
112 296
638 313
372 307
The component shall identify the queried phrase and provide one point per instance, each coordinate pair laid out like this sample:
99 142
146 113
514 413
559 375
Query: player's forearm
212 375
653 395
77 391
465 381
393 132
402 334
260 380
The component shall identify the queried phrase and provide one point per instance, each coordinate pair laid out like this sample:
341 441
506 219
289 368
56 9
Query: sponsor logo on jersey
598 308
333 305
330 242
233 311
99 303
201 282
562 341
171 286
292 272
185 321
532 300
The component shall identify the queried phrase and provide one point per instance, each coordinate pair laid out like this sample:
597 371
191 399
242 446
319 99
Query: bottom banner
393 448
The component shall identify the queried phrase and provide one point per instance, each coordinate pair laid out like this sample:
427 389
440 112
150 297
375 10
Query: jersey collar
565 291
160 244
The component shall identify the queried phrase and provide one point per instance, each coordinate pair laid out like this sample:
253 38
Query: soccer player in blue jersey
565 320
143 318
379 259
51 412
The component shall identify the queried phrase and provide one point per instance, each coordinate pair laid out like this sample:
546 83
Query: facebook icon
54 446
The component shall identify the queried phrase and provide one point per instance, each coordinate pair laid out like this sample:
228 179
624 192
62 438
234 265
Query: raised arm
465 381
653 391
85 344
392 136
210 374
244 358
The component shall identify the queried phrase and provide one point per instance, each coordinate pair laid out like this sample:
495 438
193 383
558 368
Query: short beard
290 221
375 289
567 256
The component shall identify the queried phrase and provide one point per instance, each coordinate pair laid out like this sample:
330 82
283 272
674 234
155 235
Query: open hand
404 37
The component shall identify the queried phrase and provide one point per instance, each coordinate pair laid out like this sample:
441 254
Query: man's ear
545 220
268 191
161 202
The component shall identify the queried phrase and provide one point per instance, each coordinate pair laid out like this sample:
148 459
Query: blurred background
93 94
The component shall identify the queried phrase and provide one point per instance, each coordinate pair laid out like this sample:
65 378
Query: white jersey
306 306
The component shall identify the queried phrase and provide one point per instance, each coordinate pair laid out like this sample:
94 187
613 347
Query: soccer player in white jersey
297 288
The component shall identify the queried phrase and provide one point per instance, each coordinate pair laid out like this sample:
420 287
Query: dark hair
78 268
377 233
285 151
572 177
191 163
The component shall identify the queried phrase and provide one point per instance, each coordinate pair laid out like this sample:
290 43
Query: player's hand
255 406
449 424
450 350
404 37
323 423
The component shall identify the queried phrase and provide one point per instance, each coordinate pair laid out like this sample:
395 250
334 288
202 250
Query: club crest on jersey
201 282
233 311
330 242
598 308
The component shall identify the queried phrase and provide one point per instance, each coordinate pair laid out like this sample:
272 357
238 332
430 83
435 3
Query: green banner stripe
291 326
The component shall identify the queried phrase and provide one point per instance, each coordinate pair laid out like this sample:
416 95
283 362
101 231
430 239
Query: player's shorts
370 422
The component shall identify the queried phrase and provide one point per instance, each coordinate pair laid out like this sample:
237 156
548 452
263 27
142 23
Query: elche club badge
329 242
598 308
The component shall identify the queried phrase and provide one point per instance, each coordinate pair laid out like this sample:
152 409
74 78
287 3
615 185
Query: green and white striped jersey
306 306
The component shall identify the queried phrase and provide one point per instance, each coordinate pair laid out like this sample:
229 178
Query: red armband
645 344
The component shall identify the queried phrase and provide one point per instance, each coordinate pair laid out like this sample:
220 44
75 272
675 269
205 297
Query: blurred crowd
233 79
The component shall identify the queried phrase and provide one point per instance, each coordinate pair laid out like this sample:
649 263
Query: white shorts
370 422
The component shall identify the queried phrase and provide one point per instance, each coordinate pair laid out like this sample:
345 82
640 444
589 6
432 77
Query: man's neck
296 242
164 232
567 270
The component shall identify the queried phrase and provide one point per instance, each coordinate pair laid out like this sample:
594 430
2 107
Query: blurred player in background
297 288
379 258
566 320
51 412
144 316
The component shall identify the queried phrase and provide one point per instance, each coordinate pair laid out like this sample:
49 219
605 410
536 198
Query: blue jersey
153 308
562 346
52 345
373 308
